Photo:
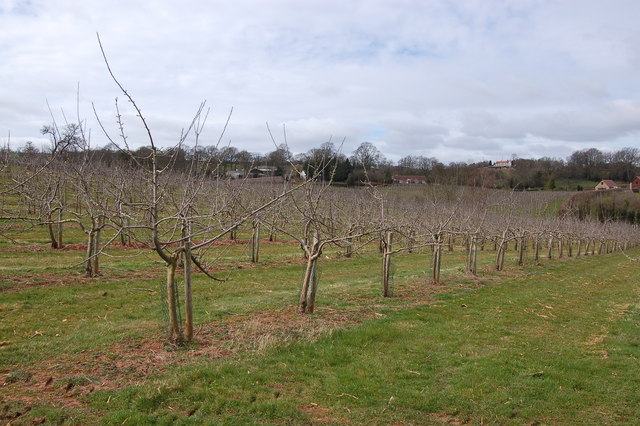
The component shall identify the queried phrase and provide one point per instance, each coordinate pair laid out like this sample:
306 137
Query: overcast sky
456 80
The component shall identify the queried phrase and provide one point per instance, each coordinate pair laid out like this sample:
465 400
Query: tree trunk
54 241
560 248
125 238
88 264
437 256
472 254
255 242
522 248
386 264
306 304
349 242
500 252
579 250
96 247
536 255
500 257
272 234
60 229
188 293
550 248
313 288
466 242
174 333
307 237
306 280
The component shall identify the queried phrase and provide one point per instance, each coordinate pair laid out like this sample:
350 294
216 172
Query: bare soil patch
50 279
320 414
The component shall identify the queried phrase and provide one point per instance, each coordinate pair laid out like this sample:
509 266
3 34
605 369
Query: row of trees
590 164
180 214
174 203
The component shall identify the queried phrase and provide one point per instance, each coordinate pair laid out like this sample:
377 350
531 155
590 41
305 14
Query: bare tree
172 212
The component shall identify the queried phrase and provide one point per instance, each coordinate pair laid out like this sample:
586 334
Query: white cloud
455 80
601 124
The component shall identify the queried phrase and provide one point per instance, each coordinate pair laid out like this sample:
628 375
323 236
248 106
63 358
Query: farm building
263 171
635 184
606 184
409 179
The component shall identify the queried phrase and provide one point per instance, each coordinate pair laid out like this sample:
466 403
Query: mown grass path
559 345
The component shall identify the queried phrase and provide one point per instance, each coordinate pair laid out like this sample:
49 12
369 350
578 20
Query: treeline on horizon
367 163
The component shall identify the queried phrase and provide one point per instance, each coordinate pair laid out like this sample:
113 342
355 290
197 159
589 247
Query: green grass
573 184
545 348
550 343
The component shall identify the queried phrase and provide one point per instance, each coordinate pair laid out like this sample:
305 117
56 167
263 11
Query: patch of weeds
133 343
47 414
75 381
175 347
112 356
18 376
12 409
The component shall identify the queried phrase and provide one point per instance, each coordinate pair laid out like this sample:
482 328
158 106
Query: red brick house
635 184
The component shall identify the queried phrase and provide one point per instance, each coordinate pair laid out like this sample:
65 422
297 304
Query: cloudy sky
457 80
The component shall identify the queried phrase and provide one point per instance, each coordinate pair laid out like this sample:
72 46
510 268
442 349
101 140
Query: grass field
582 185
550 343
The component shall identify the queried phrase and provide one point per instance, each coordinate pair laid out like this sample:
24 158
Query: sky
457 80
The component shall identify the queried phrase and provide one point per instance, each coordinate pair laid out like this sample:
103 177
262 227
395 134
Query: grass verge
548 344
